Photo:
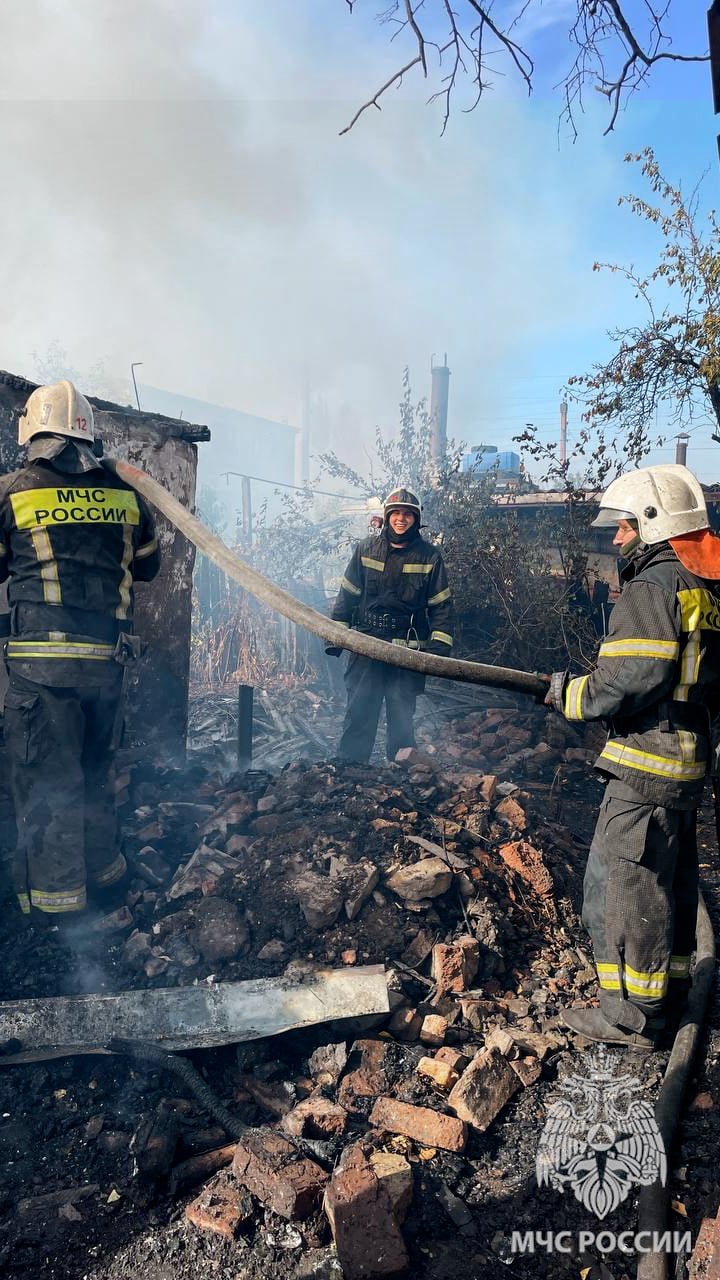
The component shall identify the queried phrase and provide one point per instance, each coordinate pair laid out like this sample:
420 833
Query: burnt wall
167 450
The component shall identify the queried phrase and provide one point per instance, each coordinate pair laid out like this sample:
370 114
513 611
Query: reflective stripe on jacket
411 584
72 547
657 680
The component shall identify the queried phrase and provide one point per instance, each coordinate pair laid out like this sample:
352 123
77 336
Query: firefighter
656 685
73 539
395 588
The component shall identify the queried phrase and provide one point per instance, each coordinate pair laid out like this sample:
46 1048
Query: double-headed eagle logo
600 1138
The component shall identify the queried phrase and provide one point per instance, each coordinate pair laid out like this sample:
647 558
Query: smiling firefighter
74 538
396 589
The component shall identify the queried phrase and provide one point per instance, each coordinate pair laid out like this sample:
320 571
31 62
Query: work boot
109 897
593 1025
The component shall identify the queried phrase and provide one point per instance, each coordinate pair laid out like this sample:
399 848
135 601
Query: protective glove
437 648
333 650
556 693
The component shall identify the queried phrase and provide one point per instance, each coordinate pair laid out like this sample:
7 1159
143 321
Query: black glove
556 693
333 650
437 648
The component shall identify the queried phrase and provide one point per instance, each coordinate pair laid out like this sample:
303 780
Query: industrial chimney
439 410
681 448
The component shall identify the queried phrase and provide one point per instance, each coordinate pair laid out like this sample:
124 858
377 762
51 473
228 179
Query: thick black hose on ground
152 1055
331 632
653 1207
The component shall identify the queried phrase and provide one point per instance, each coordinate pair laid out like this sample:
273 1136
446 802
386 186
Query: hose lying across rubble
331 632
653 1200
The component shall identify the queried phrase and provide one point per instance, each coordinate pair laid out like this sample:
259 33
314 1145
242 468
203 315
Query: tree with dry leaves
460 45
671 362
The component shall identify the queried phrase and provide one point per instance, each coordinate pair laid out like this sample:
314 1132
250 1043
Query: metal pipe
133 367
245 727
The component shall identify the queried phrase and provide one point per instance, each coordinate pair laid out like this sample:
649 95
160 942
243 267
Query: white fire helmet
666 501
58 410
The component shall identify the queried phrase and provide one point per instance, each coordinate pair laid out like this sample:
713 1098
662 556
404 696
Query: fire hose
333 633
653 1200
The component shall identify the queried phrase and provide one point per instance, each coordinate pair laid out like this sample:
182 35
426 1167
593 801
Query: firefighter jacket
657 680
399 594
71 546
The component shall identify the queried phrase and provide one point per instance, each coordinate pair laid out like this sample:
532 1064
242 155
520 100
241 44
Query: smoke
175 193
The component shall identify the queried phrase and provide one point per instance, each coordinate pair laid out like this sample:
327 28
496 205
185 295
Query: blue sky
176 192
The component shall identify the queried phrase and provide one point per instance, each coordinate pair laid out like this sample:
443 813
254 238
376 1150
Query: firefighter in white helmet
396 589
656 686
73 540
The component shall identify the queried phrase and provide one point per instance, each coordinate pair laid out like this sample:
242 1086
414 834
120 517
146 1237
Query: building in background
506 465
268 453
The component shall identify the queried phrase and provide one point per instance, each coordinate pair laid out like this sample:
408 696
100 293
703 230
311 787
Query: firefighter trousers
640 905
61 743
368 683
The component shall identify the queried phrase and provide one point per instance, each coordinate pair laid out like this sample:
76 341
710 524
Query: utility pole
133 367
713 19
563 432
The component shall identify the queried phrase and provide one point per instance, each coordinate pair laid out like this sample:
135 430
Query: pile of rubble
462 882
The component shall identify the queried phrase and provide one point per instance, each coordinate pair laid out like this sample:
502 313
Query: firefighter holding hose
74 537
657 687
395 588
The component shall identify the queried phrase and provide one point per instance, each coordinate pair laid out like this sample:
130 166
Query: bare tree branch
618 42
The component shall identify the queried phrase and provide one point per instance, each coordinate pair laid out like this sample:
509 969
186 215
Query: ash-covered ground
460 870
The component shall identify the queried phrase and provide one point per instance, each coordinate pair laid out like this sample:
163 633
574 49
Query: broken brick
528 1070
363 1223
269 1167
395 1174
422 1124
453 1058
483 1089
512 813
433 1029
221 1206
455 966
527 861
316 1117
367 1079
440 1073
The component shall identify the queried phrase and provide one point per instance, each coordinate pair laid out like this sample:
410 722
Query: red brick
483 1089
440 1073
422 1124
367 1079
455 966
527 861
527 1069
316 1117
512 813
455 1060
269 1166
365 1230
221 1206
433 1029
